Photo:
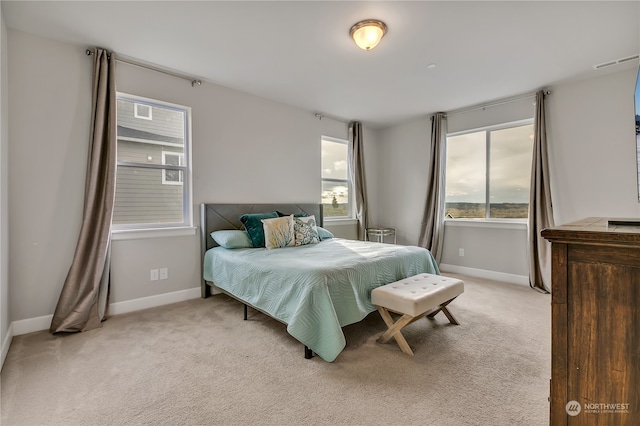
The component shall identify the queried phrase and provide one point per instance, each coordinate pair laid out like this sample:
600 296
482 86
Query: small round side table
379 234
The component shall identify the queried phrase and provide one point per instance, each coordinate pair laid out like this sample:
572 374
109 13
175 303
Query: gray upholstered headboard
226 216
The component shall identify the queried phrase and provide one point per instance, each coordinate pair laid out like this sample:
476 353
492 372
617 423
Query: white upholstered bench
414 297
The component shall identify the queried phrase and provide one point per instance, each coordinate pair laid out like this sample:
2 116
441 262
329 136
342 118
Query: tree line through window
488 173
336 188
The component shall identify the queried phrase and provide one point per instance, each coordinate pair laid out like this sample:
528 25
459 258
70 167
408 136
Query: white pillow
232 238
278 232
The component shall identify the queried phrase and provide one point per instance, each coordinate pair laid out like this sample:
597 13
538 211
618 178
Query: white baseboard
153 301
5 345
30 325
42 323
483 273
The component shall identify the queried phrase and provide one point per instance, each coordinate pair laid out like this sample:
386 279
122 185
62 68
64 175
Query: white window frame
137 114
143 230
488 220
349 185
180 156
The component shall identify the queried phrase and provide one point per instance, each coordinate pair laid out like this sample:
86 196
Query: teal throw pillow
253 224
303 214
323 233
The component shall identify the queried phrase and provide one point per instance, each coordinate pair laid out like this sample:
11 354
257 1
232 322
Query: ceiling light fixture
368 33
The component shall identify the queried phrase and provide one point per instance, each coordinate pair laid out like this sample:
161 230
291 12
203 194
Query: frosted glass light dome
367 34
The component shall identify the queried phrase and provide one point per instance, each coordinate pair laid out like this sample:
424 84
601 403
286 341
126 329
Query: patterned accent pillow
278 232
305 230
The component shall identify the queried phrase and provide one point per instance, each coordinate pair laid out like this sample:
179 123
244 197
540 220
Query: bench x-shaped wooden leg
394 328
447 312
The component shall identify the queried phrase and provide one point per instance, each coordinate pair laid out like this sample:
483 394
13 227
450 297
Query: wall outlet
154 275
461 252
164 273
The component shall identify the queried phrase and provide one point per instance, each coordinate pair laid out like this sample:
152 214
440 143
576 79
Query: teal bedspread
315 289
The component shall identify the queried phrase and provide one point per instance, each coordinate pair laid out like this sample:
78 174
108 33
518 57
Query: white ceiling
300 53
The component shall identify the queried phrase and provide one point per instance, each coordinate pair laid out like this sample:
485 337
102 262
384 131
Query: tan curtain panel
432 227
84 297
357 176
540 207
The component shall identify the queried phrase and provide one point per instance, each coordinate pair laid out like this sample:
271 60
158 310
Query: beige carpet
198 363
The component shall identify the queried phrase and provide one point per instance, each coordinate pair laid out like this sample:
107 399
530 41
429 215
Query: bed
314 289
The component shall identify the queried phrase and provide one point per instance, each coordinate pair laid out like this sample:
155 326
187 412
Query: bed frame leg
308 353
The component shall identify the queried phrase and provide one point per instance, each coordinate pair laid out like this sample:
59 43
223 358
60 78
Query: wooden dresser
595 336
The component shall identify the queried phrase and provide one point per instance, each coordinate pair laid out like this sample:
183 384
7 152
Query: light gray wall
403 157
131 261
496 112
345 229
4 187
593 169
592 147
245 149
50 94
499 249
495 249
404 172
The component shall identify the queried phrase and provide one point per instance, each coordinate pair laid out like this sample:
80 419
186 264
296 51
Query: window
169 176
488 172
142 111
153 187
336 188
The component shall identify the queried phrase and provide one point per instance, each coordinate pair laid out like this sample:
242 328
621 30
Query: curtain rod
320 116
492 104
194 82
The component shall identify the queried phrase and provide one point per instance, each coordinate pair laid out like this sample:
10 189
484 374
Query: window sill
137 234
520 224
340 221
